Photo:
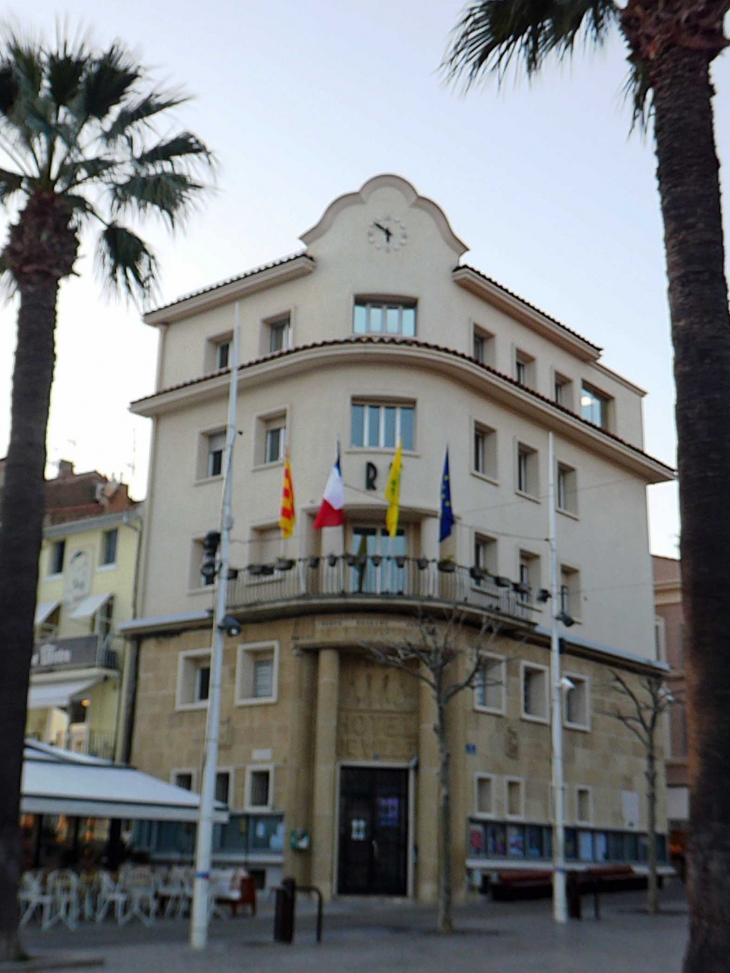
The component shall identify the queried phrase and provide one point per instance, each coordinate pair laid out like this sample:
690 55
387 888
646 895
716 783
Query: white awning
59 694
89 606
58 782
43 611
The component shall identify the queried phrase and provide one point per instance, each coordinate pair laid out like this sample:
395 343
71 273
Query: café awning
59 782
44 610
59 694
90 605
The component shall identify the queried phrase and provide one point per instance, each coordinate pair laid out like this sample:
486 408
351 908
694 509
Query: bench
509 886
522 884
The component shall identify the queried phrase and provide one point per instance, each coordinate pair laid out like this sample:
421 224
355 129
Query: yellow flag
392 492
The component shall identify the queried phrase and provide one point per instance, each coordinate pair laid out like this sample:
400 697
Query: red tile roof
411 342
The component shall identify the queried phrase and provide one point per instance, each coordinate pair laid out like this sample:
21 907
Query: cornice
410 353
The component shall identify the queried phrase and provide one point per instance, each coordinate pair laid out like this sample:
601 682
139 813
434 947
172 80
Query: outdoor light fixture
230 625
502 582
566 619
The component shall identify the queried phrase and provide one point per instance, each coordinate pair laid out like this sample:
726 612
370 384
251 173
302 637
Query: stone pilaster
325 772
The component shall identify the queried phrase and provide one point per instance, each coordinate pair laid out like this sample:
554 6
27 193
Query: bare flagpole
200 914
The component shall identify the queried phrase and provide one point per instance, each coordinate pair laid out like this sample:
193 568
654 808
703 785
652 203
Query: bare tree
640 710
449 656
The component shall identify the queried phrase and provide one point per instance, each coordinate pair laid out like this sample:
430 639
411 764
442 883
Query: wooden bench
522 884
536 884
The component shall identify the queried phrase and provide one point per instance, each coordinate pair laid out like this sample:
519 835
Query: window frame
263 423
531 455
251 769
589 791
55 545
104 565
578 677
185 770
282 323
229 772
182 658
524 368
600 396
386 304
212 351
565 398
521 815
490 452
563 470
485 815
487 338
531 717
532 562
194 565
488 543
383 404
574 597
500 710
253 648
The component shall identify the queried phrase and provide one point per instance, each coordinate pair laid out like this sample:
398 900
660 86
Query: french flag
331 512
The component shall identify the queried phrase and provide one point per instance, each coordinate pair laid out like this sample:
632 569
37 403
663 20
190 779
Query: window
223 786
265 545
563 391
259 788
271 437
527 470
275 443
485 554
594 406
196 579
215 444
109 546
485 451
193 679
570 591
535 692
103 620
387 575
485 794
491 685
56 557
385 317
577 713
223 353
529 574
515 798
381 426
279 334
184 779
583 810
567 492
524 368
257 673
482 346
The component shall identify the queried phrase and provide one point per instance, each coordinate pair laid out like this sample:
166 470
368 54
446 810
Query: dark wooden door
373 831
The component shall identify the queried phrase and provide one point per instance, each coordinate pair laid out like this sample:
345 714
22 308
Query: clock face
387 233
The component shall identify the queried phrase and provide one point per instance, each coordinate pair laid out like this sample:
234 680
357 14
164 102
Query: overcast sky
303 101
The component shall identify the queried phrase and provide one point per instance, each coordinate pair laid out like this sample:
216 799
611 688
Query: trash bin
284 911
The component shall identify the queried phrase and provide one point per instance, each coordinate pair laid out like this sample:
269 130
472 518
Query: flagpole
200 912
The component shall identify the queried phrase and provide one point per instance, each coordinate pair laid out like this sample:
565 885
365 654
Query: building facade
379 332
670 642
86 587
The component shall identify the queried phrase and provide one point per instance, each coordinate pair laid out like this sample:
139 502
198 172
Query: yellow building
86 587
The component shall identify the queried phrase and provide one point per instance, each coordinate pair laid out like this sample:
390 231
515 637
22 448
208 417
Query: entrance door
373 831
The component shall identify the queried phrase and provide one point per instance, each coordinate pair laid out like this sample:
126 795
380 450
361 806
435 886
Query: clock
387 233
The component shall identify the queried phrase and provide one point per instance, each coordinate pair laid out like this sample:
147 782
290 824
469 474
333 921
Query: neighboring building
327 761
86 586
670 642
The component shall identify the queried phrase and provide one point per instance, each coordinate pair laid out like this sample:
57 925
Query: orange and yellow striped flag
288 516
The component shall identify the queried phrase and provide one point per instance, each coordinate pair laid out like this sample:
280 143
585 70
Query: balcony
80 738
78 652
338 583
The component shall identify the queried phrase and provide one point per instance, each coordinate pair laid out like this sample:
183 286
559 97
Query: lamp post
560 905
204 840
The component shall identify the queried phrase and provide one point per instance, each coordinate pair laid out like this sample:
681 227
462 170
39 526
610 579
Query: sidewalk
377 937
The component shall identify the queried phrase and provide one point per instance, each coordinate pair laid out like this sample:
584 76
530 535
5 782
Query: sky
303 101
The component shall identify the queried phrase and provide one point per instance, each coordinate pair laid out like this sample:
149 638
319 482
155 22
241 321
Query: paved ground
377 937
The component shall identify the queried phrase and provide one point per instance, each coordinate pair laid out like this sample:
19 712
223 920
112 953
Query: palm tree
671 46
79 133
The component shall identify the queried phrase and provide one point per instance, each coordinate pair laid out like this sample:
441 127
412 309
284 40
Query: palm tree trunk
688 174
21 517
445 903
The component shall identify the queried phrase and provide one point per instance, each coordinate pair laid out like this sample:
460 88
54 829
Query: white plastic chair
32 897
172 889
63 887
140 885
110 894
222 888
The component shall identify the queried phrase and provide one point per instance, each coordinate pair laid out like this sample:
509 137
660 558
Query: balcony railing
79 738
75 652
354 578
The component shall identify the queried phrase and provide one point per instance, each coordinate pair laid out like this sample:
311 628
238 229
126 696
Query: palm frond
65 69
638 89
492 34
26 58
10 183
108 79
140 112
126 262
182 146
72 173
8 89
169 194
80 205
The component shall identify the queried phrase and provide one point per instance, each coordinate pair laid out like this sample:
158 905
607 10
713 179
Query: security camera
565 618
231 626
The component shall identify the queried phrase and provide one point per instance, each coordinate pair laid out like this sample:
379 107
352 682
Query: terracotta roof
232 280
397 342
491 280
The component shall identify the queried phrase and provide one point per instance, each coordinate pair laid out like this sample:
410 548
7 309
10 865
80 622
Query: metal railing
355 578
76 652
80 739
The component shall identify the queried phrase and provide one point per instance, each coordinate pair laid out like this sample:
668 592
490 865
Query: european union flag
446 521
